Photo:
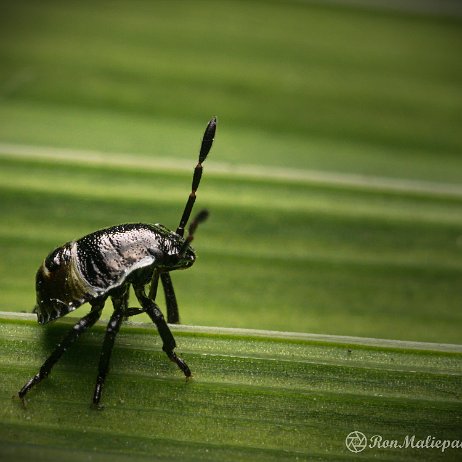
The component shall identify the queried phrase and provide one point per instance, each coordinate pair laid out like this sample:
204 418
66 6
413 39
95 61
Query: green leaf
255 395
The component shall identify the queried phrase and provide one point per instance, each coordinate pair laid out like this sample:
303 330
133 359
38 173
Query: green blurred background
334 185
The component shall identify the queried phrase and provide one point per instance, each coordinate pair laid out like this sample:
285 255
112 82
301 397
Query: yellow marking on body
45 270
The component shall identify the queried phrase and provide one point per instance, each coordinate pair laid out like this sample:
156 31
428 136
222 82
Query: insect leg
154 284
111 332
129 312
78 329
120 302
168 340
173 315
170 298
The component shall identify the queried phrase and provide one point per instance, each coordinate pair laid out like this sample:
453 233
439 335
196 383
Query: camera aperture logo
357 441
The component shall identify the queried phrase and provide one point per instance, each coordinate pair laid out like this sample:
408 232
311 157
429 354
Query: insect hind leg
79 328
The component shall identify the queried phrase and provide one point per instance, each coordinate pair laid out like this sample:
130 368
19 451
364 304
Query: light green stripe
289 175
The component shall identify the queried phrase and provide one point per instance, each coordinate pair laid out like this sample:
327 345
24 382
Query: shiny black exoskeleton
105 264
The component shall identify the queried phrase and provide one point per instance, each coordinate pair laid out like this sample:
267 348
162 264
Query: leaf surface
255 395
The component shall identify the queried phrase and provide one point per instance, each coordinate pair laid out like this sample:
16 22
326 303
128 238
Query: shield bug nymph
106 264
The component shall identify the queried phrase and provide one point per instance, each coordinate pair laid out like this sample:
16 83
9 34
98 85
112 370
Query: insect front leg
78 329
157 318
173 315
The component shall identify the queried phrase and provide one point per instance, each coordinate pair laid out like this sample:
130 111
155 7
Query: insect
106 264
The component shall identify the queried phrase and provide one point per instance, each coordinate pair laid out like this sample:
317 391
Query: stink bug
105 264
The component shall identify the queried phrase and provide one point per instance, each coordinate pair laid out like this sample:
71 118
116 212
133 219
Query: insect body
106 264
89 268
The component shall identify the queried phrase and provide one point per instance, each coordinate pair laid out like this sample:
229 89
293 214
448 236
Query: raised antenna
207 141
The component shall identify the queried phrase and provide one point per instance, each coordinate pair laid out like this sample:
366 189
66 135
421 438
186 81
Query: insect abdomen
59 286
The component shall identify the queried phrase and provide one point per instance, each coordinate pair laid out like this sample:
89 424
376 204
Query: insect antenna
199 218
206 145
